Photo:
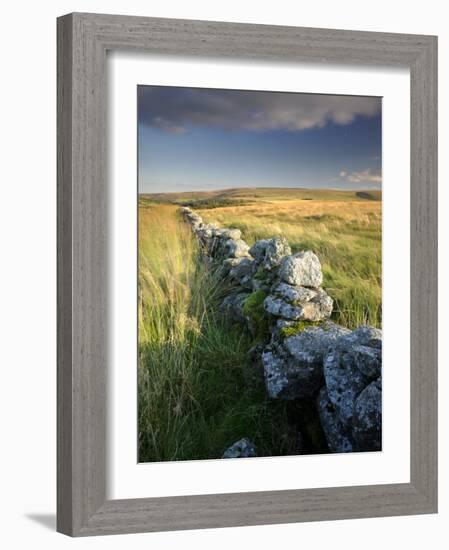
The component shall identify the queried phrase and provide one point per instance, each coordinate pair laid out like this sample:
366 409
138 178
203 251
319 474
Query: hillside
244 196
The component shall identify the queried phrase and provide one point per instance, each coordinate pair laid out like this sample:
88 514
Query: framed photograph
247 274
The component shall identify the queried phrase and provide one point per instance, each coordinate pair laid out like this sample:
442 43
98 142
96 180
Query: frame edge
79 512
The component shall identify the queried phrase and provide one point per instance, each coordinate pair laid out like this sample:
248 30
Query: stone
294 294
242 272
287 379
344 382
317 309
301 269
367 420
365 335
278 308
348 368
229 263
206 231
243 448
197 225
193 217
234 234
268 253
311 344
337 435
364 345
232 306
307 304
293 368
368 360
236 248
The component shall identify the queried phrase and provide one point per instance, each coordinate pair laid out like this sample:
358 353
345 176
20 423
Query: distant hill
248 195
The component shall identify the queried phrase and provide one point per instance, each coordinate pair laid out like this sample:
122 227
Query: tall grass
346 235
198 393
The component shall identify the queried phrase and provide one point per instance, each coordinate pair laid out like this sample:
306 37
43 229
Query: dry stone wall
279 297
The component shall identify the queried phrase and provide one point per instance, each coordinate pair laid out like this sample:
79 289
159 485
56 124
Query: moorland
197 391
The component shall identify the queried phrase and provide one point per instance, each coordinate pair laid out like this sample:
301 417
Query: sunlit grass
197 391
346 235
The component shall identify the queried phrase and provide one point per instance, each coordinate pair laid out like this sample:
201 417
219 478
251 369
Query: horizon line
263 187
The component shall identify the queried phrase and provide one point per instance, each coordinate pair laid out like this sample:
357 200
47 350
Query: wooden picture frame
83 40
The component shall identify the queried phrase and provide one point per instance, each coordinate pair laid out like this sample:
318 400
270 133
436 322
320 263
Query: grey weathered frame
83 40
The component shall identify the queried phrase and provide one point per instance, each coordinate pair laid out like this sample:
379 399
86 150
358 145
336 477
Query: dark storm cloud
175 110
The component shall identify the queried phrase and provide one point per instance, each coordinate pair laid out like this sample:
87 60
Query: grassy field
343 227
345 234
197 392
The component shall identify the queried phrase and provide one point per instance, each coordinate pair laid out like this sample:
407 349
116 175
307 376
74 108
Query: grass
198 393
198 390
344 233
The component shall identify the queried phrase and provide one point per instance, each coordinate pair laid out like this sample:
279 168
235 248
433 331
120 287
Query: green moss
253 309
260 274
299 326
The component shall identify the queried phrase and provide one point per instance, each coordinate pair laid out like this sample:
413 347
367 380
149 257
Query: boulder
337 435
278 308
293 368
206 231
268 253
287 379
301 269
344 382
316 305
236 248
244 448
294 294
312 344
228 264
367 420
242 272
232 306
234 234
350 366
365 346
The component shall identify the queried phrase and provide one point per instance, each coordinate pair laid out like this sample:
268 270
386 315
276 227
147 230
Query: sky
194 139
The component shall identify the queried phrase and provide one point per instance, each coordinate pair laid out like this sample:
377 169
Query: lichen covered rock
294 294
234 234
242 272
337 435
350 366
367 420
301 269
236 248
293 368
244 448
268 253
313 342
287 379
278 308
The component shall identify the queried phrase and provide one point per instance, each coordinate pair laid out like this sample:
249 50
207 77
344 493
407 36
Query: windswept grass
345 234
198 393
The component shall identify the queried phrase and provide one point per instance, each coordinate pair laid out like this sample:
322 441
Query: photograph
259 273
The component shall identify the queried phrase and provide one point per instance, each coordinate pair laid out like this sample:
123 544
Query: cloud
167 126
364 176
175 110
